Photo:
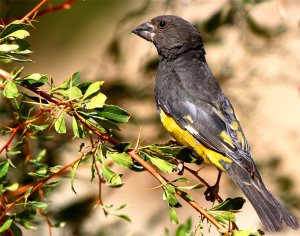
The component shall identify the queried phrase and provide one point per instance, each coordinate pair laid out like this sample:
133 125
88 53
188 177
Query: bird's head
170 34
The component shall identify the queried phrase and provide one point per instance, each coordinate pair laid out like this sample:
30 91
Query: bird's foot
211 193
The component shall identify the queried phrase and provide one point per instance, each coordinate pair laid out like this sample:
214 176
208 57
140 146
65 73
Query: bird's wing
214 126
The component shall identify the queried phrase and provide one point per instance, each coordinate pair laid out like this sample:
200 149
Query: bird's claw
211 193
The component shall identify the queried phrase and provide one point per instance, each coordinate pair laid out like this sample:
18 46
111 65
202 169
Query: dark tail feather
271 213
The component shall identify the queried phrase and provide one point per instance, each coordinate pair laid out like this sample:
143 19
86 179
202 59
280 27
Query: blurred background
253 50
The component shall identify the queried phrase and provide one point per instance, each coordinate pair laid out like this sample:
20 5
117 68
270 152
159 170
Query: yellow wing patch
226 138
185 138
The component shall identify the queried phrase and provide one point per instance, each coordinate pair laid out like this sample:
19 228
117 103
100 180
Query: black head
170 34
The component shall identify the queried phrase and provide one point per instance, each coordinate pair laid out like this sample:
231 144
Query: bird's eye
162 24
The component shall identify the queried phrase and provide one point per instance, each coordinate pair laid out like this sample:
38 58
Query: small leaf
196 186
12 27
173 215
223 216
97 101
75 78
123 159
114 113
12 187
55 169
35 80
77 128
73 174
74 92
60 124
40 173
113 178
230 204
181 179
121 207
10 90
8 47
3 169
6 225
249 232
92 89
162 164
185 229
41 155
169 195
34 204
124 217
27 193
20 34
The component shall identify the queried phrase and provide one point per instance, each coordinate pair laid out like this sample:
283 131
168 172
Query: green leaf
39 127
10 90
92 89
230 204
106 124
196 186
55 169
223 216
37 204
97 101
41 155
3 168
6 225
8 47
60 124
173 215
12 27
124 217
162 164
113 178
35 80
170 188
74 92
181 179
249 232
123 159
20 34
114 113
77 128
39 173
33 204
169 195
12 187
73 174
75 78
27 193
185 229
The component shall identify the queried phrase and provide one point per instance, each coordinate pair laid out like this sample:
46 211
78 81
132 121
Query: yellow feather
185 138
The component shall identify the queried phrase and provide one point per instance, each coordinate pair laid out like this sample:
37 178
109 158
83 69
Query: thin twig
33 11
19 127
35 187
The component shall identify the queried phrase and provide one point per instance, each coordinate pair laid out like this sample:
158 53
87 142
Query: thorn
138 140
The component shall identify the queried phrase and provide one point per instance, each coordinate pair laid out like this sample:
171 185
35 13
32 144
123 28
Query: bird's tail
271 213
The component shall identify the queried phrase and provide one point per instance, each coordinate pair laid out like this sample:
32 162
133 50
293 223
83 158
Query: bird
198 115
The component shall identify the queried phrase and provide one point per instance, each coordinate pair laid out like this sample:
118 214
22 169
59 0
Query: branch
19 127
115 142
36 13
37 186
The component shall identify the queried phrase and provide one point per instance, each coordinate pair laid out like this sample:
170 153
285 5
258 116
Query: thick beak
145 31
